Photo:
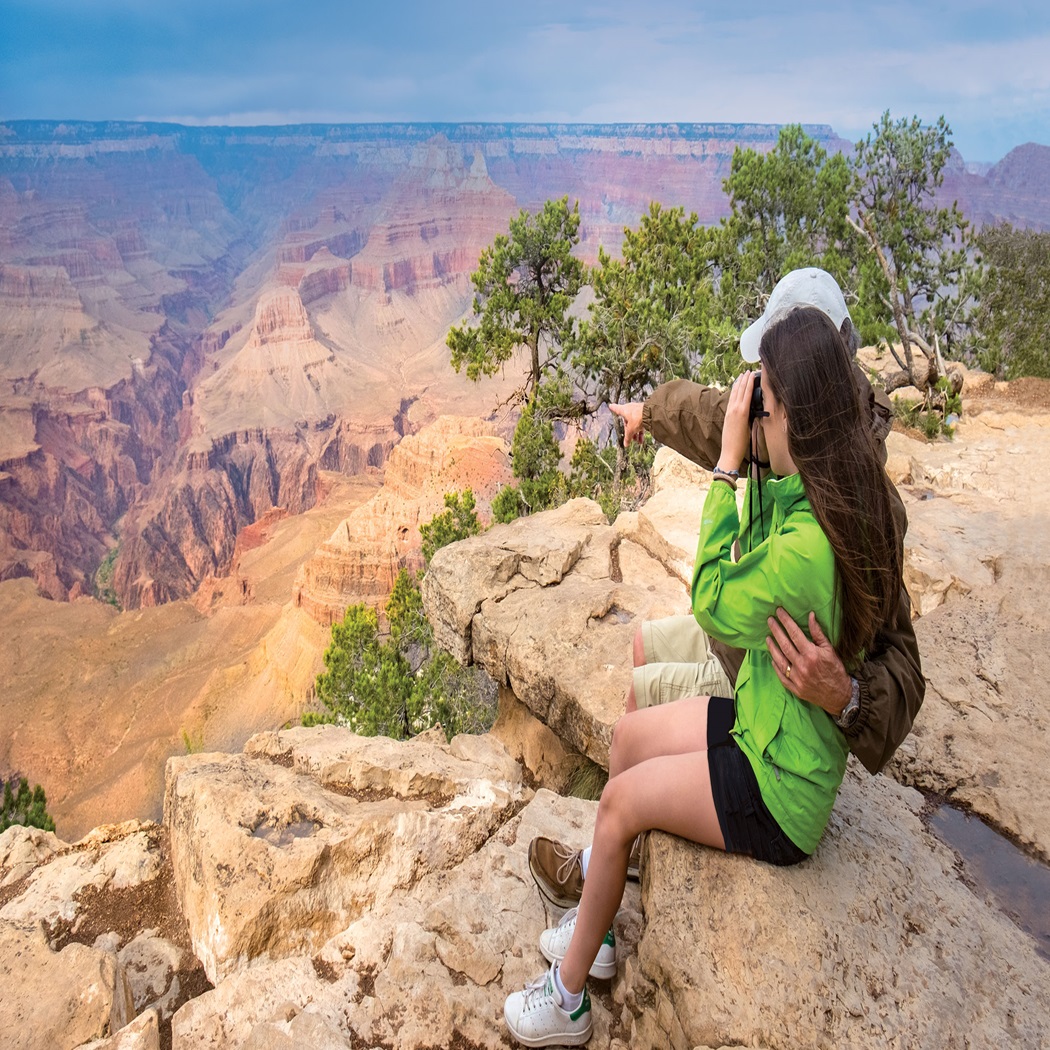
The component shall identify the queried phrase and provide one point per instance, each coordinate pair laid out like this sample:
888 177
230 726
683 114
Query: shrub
25 806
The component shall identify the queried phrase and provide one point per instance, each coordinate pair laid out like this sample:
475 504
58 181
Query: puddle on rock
283 836
1020 884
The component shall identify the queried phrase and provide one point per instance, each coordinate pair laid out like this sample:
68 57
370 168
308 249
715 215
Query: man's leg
672 660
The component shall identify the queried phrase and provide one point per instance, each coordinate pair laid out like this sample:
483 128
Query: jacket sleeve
892 688
687 417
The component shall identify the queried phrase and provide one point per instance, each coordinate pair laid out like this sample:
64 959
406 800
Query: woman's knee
614 808
620 745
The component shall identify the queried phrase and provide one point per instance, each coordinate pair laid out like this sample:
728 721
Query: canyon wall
194 321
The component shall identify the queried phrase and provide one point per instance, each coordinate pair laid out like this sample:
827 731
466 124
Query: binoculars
756 410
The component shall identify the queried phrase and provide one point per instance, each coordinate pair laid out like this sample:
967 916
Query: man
874 705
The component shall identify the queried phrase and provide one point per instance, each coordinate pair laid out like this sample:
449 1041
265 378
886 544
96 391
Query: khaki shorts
678 663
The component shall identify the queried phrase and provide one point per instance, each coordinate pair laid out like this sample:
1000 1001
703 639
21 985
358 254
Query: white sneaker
535 1016
554 943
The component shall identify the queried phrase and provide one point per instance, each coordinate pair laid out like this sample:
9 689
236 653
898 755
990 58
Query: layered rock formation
361 559
99 303
139 386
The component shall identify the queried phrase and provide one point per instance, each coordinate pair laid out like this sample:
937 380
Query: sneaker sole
565 1039
602 971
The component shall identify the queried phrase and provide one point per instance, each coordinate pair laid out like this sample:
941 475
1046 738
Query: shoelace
539 988
572 858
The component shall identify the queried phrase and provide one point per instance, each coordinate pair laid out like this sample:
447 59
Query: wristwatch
852 708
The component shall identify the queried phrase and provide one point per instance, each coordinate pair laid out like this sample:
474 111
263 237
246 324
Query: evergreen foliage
1012 323
789 209
403 684
458 521
914 278
524 285
25 806
650 322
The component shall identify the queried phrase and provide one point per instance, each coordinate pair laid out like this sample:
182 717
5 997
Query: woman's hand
735 430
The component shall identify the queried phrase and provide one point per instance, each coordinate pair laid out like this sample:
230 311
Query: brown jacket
688 417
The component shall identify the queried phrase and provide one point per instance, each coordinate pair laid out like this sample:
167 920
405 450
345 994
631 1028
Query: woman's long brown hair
807 367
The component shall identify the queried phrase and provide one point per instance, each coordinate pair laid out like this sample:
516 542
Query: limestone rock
153 965
106 901
22 849
57 999
541 604
873 942
141 1034
667 525
276 849
118 858
983 732
429 969
976 556
546 760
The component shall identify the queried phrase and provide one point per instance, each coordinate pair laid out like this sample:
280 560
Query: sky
984 66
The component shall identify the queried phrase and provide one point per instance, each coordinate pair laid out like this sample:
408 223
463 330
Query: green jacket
688 417
796 750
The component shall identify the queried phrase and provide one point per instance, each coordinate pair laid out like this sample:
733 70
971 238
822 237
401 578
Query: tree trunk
534 349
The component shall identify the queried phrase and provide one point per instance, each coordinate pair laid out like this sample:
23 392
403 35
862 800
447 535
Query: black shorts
746 823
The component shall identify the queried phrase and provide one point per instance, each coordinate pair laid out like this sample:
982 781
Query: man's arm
892 688
687 417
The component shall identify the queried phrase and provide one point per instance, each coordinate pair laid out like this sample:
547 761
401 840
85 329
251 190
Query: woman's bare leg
671 793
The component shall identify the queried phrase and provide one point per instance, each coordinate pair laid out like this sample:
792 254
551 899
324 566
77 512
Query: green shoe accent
583 1008
610 938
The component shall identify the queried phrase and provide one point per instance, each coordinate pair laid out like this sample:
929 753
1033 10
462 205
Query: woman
757 774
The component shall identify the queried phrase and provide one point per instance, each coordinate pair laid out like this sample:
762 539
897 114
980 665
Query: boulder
104 906
57 999
278 848
667 526
22 849
141 1034
112 858
543 605
875 941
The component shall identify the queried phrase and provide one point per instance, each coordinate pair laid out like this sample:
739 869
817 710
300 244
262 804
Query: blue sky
986 67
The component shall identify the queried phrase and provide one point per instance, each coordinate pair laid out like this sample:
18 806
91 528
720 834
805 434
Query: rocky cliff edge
331 891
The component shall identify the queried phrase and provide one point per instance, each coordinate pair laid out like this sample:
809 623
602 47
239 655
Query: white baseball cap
808 287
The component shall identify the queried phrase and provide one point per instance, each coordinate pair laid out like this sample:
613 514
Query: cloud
231 61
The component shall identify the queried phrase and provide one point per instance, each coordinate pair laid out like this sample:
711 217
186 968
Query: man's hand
632 421
810 670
